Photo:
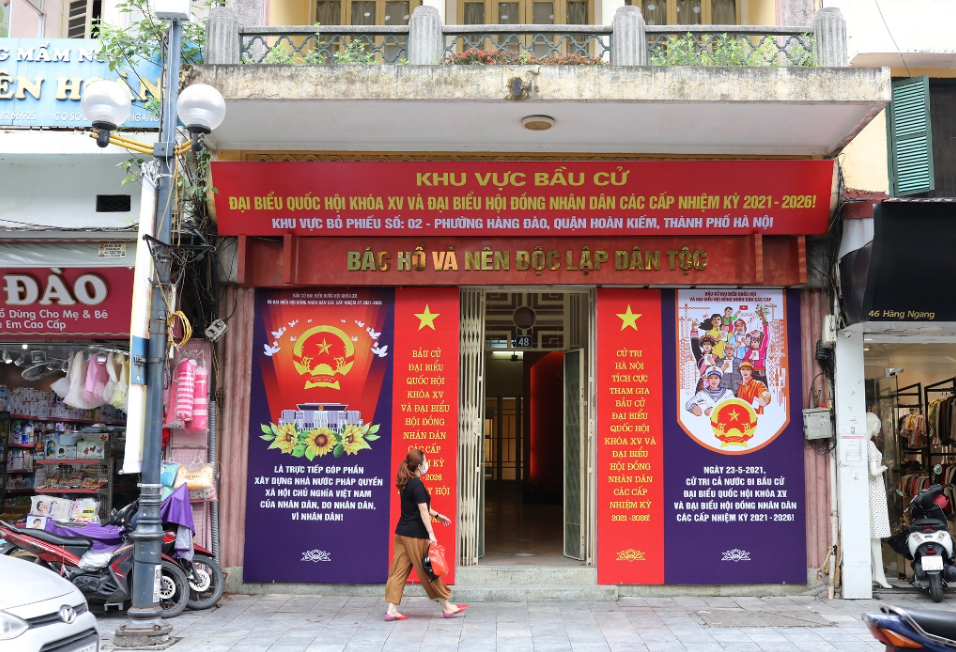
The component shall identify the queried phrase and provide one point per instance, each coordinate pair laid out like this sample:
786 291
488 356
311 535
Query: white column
852 491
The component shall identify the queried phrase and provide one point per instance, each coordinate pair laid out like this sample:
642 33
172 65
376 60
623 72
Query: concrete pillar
829 30
426 43
852 480
222 36
628 40
252 13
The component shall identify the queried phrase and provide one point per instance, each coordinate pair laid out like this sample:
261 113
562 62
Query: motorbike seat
919 524
938 623
57 540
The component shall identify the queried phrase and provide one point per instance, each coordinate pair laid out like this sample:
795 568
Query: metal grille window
503 438
113 203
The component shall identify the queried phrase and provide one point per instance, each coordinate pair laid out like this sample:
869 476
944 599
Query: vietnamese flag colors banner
425 401
700 442
630 487
322 450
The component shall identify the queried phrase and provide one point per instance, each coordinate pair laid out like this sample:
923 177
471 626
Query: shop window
921 138
688 12
82 17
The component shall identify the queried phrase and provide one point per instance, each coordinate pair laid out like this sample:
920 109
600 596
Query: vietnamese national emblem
734 422
323 353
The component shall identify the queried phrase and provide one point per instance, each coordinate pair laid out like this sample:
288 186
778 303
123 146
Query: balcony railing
626 42
324 44
538 41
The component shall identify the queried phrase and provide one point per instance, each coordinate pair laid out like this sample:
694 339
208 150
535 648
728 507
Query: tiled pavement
282 623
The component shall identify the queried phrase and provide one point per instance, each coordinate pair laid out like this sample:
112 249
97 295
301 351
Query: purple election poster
319 475
734 486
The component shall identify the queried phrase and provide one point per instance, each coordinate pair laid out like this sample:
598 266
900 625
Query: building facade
589 293
894 324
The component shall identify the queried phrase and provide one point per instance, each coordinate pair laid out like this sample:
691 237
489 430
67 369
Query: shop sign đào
65 302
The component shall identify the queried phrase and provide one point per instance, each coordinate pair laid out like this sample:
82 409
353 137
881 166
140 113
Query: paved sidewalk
282 623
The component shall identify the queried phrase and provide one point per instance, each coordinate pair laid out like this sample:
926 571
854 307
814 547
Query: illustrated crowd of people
732 362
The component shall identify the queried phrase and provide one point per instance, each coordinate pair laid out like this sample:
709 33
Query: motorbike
927 542
912 629
111 583
202 577
207 582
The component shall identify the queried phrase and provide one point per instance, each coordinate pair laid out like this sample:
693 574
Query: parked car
39 610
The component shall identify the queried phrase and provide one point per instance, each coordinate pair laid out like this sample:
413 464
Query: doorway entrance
534 429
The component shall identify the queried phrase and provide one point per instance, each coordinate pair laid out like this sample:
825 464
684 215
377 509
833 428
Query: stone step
520 576
554 593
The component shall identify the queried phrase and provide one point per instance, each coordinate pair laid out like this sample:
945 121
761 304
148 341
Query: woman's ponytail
408 467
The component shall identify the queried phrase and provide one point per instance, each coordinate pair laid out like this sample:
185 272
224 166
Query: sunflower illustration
353 439
286 437
319 442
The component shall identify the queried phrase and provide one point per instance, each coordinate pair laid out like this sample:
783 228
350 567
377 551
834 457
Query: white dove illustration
355 338
277 334
293 339
271 350
372 333
360 323
380 352
293 323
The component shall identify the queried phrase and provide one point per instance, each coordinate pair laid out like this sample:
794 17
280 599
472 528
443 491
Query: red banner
68 302
630 453
425 400
513 198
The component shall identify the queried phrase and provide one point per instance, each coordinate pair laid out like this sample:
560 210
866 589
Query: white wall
59 191
922 30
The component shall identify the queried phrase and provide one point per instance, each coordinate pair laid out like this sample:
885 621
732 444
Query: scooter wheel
173 590
936 587
209 592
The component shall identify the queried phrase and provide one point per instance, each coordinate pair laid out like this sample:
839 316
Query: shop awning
906 273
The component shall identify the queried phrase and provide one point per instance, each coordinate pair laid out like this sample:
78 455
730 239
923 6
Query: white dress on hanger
879 515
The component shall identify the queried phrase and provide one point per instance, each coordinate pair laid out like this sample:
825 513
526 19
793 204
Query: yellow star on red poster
628 318
427 318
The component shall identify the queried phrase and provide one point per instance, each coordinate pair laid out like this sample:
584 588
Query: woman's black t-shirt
410 522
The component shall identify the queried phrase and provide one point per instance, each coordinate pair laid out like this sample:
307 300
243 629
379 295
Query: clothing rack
948 449
909 396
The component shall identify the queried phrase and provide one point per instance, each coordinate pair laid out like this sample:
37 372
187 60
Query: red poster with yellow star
425 399
630 456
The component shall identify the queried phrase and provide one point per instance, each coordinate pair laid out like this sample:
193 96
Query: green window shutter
910 137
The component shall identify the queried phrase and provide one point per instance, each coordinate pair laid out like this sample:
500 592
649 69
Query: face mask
423 467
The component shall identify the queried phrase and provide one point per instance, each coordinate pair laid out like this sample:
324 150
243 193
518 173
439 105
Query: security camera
889 372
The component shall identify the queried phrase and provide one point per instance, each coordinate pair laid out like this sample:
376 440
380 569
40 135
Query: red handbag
436 554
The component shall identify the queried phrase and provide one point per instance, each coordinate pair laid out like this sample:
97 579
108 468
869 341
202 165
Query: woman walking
413 534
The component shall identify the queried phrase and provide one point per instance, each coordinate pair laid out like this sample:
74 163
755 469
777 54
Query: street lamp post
201 109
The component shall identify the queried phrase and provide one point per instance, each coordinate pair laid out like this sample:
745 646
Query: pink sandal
450 614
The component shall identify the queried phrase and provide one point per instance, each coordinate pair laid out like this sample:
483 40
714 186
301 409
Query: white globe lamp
201 109
107 105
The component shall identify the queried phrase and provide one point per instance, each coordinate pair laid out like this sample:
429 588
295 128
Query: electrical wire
898 51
